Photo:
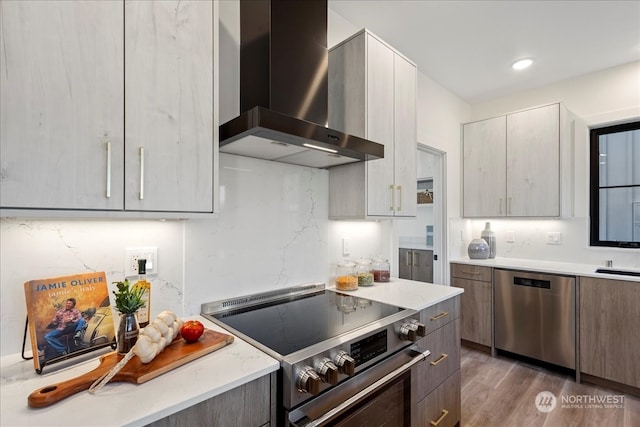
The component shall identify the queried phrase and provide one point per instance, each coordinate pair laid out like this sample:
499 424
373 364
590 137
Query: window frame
594 184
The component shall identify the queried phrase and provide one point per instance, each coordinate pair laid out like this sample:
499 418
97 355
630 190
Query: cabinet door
475 310
609 319
245 405
405 262
380 128
405 144
533 162
442 407
61 98
169 133
422 265
444 360
484 168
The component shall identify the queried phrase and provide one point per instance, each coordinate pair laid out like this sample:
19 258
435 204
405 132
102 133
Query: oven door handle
422 355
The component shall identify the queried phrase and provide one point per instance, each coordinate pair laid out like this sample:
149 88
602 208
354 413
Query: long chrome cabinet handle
108 193
500 206
141 149
399 187
382 381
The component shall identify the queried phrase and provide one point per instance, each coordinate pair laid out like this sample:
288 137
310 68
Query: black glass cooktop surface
288 326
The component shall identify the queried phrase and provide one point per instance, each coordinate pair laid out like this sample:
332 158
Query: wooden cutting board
177 354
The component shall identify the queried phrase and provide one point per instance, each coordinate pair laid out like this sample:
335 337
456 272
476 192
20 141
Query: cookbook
68 316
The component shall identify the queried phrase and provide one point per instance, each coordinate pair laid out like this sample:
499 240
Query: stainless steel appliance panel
416 264
535 316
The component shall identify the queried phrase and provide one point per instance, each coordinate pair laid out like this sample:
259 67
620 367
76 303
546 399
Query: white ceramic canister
478 249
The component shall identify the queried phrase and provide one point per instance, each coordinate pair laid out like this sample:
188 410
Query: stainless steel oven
344 360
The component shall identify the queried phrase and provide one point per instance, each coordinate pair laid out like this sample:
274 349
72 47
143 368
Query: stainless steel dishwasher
535 316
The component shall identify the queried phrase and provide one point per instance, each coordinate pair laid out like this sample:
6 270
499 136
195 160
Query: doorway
427 231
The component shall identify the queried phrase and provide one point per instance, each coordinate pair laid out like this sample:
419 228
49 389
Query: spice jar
364 272
345 277
381 270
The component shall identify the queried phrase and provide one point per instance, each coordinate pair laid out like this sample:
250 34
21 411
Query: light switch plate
346 246
554 238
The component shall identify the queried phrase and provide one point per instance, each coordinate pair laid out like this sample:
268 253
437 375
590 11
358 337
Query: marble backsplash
529 241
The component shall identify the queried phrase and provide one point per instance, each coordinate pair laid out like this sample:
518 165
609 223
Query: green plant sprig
128 299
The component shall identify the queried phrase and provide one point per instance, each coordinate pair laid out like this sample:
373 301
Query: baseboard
612 385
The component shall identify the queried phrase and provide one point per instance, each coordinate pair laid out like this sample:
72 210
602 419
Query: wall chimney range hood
283 89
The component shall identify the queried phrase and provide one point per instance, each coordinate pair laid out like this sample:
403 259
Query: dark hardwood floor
501 391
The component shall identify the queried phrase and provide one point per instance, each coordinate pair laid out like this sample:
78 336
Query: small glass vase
128 331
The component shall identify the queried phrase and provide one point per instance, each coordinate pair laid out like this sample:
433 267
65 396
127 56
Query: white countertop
124 404
572 269
405 293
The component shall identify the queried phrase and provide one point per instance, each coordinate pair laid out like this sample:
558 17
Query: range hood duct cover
284 89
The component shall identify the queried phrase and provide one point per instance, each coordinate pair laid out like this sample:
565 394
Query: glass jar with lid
345 276
381 270
364 272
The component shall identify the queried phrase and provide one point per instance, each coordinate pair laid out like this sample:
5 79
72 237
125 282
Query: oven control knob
422 330
328 371
345 363
408 332
308 381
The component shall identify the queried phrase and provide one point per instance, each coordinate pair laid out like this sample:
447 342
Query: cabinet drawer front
438 315
473 272
442 406
444 360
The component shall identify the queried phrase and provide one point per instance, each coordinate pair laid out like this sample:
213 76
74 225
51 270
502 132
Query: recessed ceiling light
521 64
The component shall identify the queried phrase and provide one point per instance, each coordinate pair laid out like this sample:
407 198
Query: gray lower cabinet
609 319
247 405
476 306
436 381
416 264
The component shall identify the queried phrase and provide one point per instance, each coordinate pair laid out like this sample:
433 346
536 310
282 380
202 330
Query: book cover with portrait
68 316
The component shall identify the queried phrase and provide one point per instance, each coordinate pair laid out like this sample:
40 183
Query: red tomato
192 330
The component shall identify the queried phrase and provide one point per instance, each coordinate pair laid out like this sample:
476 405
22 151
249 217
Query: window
615 186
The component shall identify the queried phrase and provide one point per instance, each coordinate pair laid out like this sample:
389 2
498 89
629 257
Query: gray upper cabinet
372 94
108 108
169 129
515 165
62 104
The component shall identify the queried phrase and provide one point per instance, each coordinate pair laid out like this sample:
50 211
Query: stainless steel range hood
283 89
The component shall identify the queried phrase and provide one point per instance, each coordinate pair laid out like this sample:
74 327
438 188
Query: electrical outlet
511 236
132 255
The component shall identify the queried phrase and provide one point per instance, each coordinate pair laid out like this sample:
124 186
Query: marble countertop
573 269
406 293
124 404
